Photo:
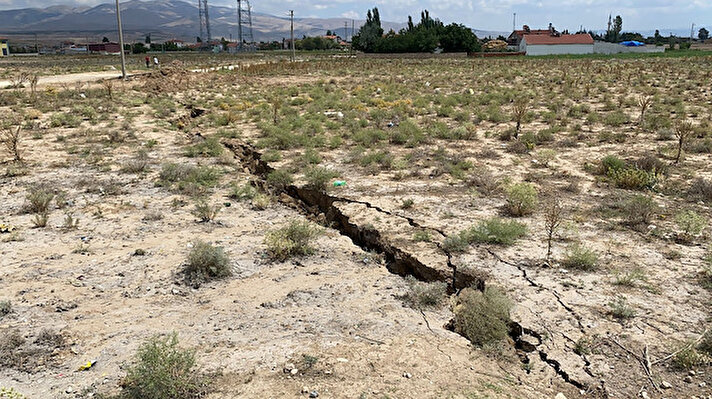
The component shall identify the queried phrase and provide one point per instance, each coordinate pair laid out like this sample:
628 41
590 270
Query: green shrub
423 295
409 133
10 393
495 231
64 119
207 262
522 199
210 147
580 258
422 236
482 317
279 179
620 309
455 243
162 370
318 177
616 118
611 163
294 239
205 212
690 223
242 193
689 358
639 210
188 179
634 179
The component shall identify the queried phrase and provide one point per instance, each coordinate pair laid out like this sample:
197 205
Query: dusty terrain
419 144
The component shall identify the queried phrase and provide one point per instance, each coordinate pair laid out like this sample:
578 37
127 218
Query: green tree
456 38
370 33
617 27
658 38
703 34
138 48
148 39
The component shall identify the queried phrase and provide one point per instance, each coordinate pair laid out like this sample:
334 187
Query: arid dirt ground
427 149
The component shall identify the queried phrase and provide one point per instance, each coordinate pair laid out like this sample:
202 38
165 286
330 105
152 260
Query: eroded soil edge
399 260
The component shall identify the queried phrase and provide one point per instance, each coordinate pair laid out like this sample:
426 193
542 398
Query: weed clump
318 177
580 258
639 210
522 199
482 317
691 224
495 231
188 179
620 309
294 239
423 295
162 370
38 200
279 179
207 262
205 212
210 147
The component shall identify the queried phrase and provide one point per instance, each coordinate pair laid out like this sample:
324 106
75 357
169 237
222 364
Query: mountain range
163 19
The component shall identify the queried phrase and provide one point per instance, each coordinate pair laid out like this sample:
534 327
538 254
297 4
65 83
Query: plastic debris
87 366
6 228
339 183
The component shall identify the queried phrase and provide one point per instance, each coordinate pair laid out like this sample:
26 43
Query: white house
580 43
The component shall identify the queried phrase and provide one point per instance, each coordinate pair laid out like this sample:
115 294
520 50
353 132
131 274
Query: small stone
69 390
703 384
407 375
644 395
313 394
294 371
305 389
342 360
687 379
560 396
691 372
288 368
666 385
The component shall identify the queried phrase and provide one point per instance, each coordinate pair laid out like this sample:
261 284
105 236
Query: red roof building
552 44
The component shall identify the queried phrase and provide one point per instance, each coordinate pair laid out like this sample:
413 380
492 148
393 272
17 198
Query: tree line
424 37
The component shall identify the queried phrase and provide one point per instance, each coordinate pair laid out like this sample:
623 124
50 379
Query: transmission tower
204 22
244 25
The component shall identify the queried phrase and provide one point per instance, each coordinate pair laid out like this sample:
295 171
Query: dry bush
553 217
522 199
206 262
482 317
423 295
294 239
162 370
10 137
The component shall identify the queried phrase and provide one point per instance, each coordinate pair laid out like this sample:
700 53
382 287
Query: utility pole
692 32
351 47
291 15
121 40
514 22
346 31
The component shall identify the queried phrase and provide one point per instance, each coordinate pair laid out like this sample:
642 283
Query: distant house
516 37
179 43
581 43
104 48
4 47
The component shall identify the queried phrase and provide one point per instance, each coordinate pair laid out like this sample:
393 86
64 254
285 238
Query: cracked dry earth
89 286
342 304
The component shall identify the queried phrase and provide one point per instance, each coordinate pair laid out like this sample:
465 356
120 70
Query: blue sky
482 14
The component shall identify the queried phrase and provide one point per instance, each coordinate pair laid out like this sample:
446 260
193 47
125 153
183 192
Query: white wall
614 48
551 49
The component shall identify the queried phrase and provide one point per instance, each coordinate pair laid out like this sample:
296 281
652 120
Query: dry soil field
361 228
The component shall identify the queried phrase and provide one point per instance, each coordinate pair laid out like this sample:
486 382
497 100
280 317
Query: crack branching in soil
399 261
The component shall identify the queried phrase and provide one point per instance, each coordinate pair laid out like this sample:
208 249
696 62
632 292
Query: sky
497 15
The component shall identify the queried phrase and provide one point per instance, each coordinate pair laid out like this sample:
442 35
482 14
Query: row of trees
426 36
